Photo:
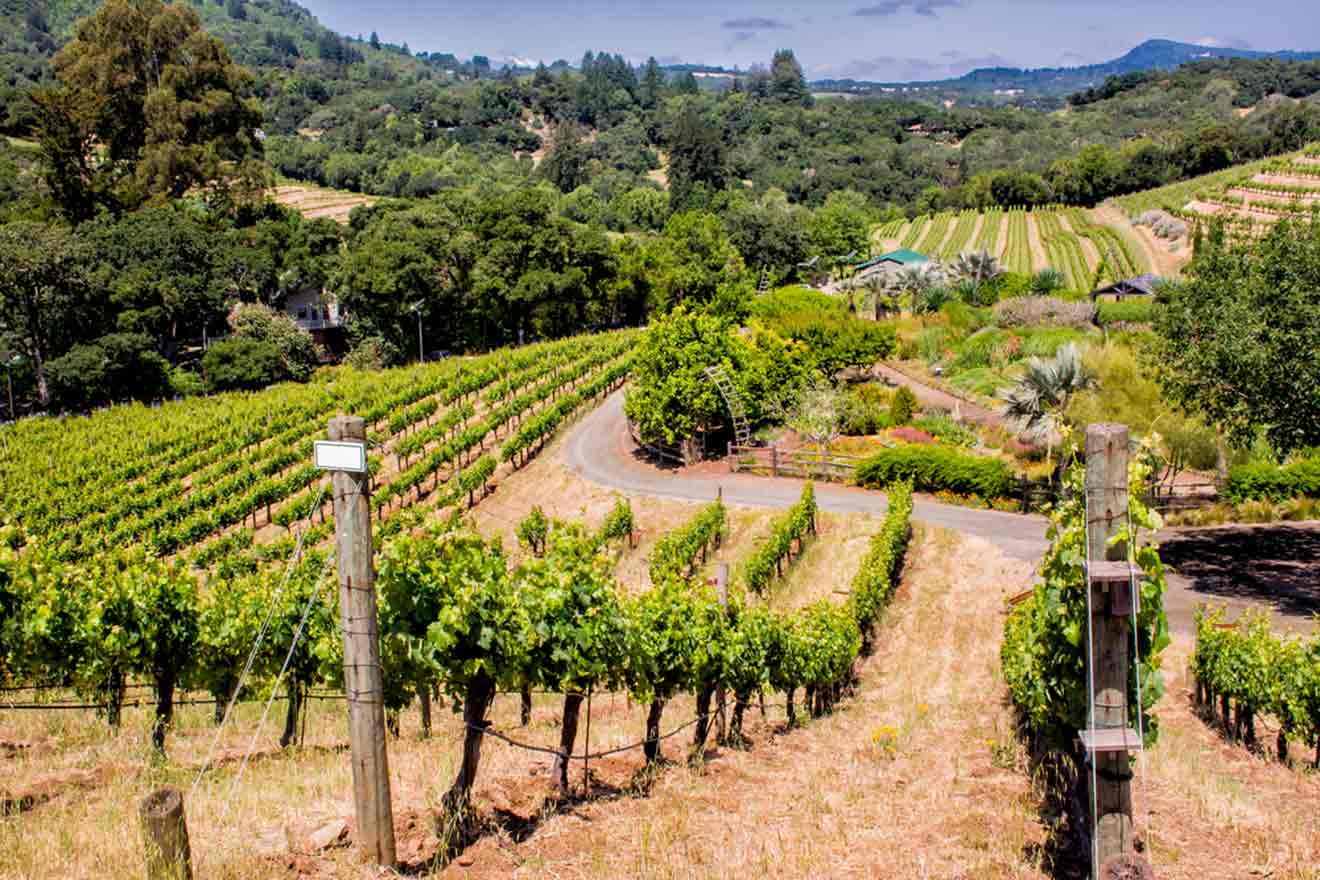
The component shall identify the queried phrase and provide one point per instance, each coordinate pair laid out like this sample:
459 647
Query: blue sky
872 39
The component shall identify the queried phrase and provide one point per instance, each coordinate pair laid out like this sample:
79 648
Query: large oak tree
147 105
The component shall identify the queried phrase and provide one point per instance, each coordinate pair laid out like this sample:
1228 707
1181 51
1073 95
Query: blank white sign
333 456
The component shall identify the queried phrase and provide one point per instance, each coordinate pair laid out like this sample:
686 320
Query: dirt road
929 396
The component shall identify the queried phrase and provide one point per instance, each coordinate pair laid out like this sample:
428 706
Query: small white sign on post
335 456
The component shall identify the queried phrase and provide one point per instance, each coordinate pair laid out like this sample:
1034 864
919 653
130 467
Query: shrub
909 434
979 349
1033 311
118 366
835 340
902 406
946 429
793 300
935 468
1299 478
1129 312
867 411
232 364
186 383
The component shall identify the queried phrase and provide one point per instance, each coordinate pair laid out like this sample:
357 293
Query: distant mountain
1016 82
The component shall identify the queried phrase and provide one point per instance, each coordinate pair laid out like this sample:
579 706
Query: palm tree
1043 393
1047 282
978 267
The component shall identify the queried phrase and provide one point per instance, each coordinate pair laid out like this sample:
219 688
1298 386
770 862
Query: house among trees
318 313
1142 285
890 262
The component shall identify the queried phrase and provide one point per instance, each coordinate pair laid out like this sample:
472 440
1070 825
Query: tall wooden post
362 676
1111 605
722 590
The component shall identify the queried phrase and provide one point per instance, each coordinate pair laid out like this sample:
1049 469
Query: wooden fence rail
1031 494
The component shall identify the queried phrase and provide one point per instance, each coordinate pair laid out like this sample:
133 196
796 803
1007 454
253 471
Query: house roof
902 256
1142 285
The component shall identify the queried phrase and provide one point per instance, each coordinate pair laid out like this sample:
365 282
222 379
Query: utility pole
345 456
1108 739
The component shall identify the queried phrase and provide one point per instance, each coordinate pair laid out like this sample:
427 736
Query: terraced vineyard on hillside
1249 198
315 202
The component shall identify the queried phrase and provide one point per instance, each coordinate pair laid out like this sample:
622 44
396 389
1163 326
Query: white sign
332 456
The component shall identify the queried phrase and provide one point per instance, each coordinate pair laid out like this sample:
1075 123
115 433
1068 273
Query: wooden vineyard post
165 830
722 589
1111 604
362 675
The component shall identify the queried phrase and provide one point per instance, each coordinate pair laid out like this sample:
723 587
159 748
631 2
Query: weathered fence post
733 464
362 675
774 459
165 829
1111 603
722 589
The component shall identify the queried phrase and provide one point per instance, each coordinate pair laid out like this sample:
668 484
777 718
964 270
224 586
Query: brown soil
1038 258
1163 261
1088 246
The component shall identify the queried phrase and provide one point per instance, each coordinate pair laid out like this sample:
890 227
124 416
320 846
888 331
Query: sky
896 40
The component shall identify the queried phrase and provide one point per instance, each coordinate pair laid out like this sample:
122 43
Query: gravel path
931 396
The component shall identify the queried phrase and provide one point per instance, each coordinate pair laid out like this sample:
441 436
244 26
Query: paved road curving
600 450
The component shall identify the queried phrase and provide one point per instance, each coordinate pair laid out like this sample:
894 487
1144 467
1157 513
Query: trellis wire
294 558
288 658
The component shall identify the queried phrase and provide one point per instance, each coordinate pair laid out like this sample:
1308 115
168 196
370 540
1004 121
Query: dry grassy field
917 775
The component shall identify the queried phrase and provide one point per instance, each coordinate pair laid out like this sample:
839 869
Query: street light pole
421 356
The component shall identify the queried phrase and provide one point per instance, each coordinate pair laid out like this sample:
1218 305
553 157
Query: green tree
43 284
1237 341
841 226
146 105
696 259
565 163
698 158
259 323
117 366
234 364
787 84
672 398
651 88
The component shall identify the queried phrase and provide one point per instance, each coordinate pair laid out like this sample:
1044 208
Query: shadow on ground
1278 565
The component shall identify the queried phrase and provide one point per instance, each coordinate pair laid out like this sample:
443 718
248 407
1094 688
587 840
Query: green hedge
935 468
1131 311
1254 482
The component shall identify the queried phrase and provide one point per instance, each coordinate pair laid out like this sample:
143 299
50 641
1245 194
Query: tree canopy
1237 341
146 105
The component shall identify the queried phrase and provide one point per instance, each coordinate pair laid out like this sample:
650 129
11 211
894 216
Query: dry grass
915 776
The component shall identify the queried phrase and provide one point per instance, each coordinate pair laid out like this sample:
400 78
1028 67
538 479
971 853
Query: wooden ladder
742 429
